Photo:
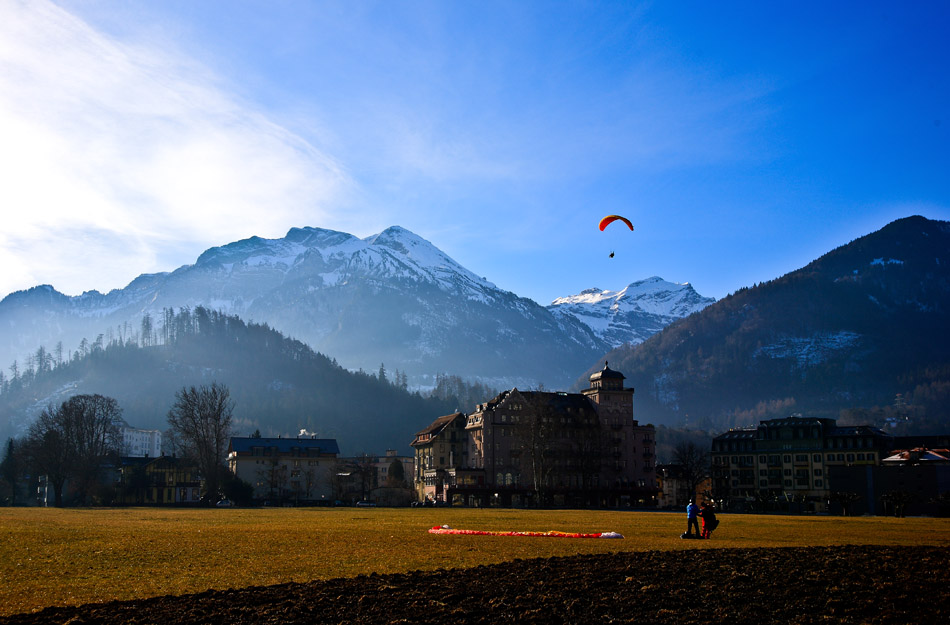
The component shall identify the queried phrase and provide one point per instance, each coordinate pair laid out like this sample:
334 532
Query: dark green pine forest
280 386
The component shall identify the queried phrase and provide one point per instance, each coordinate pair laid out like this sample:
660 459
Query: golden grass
69 557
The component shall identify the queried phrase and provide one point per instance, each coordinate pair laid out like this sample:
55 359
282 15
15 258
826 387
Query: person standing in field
692 520
709 519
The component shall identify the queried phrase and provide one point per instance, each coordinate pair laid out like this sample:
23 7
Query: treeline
73 442
279 384
801 343
175 328
77 443
45 360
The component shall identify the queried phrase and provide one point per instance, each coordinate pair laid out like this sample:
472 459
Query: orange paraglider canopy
609 219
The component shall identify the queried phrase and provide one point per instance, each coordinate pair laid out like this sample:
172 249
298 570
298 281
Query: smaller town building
913 481
165 480
139 443
441 449
674 491
383 480
285 470
786 462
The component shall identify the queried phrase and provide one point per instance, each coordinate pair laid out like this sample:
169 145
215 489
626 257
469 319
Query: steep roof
559 401
439 424
746 433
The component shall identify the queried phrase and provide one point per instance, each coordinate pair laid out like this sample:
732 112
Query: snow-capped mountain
634 313
391 298
328 259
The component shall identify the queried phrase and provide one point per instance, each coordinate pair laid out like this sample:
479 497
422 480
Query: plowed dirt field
849 584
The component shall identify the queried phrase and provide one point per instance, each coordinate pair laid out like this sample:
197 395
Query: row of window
828 443
298 452
787 472
775 459
786 483
296 463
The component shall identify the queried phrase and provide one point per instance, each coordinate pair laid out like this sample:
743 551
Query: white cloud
116 156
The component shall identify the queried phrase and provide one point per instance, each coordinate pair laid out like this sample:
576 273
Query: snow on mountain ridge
425 257
654 295
334 257
635 312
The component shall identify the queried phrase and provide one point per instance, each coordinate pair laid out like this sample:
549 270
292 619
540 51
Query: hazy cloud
102 138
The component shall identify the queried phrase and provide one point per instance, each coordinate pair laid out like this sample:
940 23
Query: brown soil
852 584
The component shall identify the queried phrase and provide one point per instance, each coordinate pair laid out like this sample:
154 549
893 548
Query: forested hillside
860 333
279 385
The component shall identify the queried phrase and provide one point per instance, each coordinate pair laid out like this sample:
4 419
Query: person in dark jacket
692 520
708 512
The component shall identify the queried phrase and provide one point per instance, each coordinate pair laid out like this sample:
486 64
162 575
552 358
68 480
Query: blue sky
743 140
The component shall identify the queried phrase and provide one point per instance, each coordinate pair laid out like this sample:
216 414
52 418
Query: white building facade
137 443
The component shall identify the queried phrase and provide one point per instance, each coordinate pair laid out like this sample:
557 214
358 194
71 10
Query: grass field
69 557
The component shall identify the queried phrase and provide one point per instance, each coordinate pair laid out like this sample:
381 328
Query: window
818 483
816 458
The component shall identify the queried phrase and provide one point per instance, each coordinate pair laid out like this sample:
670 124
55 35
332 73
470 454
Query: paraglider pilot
692 520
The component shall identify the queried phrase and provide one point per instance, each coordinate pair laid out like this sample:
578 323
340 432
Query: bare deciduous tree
73 442
694 464
201 422
539 441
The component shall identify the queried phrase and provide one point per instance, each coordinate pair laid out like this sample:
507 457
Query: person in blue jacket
692 520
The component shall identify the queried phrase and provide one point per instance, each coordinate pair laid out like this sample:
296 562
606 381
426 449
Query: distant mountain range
853 329
391 298
841 337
